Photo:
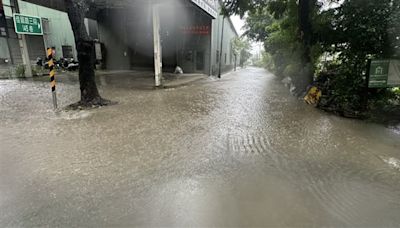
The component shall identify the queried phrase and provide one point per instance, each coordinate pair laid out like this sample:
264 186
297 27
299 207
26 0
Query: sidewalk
131 79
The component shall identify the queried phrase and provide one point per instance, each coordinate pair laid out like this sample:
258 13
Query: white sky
239 23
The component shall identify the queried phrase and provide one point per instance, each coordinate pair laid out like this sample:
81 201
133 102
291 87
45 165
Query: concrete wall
5 61
12 42
197 43
229 34
112 32
12 51
128 37
59 30
4 52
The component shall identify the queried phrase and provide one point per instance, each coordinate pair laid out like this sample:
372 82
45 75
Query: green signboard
378 73
384 73
28 24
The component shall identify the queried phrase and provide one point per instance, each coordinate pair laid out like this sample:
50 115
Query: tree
241 46
298 15
360 30
256 25
77 9
298 33
241 7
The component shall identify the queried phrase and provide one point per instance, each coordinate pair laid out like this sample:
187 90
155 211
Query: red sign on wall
196 29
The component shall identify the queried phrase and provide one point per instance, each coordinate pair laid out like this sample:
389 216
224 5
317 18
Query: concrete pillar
25 56
24 48
157 46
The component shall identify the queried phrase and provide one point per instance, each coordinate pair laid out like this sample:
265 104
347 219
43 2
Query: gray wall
113 34
128 37
13 42
194 44
229 34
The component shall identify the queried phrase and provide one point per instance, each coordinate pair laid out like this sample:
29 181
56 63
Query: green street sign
394 73
29 25
378 74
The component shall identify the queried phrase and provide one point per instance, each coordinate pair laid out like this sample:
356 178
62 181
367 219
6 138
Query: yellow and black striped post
50 59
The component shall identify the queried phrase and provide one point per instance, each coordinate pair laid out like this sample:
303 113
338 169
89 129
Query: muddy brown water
233 152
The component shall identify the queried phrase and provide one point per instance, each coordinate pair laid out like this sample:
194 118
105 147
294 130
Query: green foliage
343 89
315 53
360 30
241 7
20 71
285 49
292 70
277 8
239 44
241 47
297 33
268 61
277 25
396 93
257 25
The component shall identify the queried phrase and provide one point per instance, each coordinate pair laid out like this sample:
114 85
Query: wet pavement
239 151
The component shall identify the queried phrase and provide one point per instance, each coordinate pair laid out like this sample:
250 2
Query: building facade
190 33
57 33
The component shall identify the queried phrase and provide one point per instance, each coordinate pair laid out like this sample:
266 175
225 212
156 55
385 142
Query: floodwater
239 151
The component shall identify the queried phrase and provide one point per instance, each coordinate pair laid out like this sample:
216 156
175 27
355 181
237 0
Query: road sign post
50 58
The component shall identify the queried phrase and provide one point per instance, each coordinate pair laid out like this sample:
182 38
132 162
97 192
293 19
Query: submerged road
239 151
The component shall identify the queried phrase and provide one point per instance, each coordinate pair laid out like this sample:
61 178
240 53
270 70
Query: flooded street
240 151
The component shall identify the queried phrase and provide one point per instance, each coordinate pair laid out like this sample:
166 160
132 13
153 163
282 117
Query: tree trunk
306 36
77 10
305 27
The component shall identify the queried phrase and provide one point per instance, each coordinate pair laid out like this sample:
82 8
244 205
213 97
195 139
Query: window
67 51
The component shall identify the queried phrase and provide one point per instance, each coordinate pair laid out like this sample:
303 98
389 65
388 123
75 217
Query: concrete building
223 28
185 33
56 28
190 37
57 33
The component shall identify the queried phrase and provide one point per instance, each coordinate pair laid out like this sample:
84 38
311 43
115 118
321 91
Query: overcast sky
238 23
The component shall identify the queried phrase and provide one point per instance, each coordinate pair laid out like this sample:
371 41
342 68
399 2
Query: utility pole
24 48
220 51
235 61
157 45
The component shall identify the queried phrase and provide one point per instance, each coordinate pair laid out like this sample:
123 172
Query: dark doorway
199 61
